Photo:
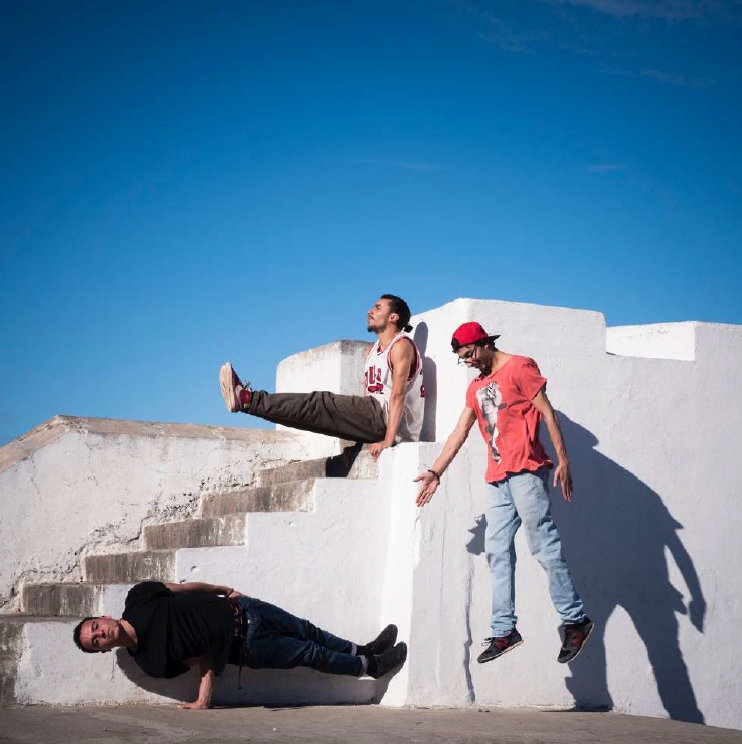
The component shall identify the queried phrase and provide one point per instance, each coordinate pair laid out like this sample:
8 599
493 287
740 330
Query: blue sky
188 183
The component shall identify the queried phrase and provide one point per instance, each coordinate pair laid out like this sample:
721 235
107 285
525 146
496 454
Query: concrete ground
363 724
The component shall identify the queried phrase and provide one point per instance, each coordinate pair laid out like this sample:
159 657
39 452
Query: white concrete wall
337 367
312 563
76 485
50 660
656 341
651 537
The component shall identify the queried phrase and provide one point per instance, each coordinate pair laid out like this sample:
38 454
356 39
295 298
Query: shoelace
502 639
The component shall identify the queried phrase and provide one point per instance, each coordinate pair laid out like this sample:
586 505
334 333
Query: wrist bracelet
437 475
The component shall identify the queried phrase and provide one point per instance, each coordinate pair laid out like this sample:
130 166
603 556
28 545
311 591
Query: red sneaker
237 396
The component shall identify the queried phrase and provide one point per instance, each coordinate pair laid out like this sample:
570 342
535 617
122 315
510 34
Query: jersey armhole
415 360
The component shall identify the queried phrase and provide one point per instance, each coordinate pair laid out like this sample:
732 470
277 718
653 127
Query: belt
241 625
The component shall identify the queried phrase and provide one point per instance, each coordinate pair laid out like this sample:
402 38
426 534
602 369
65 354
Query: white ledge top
57 426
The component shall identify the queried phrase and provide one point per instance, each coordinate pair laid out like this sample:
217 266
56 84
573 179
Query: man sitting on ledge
168 628
390 411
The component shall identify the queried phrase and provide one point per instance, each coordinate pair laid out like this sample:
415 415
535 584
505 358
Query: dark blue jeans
276 639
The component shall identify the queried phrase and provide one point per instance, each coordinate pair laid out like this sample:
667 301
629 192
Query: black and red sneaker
574 639
499 646
237 395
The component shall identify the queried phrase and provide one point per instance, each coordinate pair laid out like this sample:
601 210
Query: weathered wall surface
651 536
73 485
313 563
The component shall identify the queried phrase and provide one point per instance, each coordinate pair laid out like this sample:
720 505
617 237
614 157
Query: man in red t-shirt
508 401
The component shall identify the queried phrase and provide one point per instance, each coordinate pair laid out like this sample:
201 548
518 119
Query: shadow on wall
429 381
614 536
300 686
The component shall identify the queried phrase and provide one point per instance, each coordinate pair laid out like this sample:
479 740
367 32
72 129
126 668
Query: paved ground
365 724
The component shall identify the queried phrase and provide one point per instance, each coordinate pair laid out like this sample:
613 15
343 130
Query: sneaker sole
225 382
509 648
589 633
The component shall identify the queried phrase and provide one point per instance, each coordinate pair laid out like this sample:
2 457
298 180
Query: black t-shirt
172 626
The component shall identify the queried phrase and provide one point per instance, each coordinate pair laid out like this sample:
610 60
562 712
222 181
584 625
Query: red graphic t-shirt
508 420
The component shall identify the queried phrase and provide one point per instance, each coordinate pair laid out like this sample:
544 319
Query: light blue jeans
523 498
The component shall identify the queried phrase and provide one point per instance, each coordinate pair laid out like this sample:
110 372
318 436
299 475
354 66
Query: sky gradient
185 184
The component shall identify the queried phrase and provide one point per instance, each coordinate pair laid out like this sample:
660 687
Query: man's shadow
614 537
295 687
429 381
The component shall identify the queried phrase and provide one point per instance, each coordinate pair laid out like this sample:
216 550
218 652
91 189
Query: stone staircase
221 522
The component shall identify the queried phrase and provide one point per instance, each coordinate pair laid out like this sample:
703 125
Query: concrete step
196 533
354 462
67 599
8 668
61 599
280 497
129 568
11 640
11 628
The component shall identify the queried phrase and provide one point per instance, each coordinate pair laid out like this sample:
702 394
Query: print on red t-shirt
507 418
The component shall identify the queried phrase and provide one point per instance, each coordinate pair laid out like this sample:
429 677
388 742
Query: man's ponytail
399 306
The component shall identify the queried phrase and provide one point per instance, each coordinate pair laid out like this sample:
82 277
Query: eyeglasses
468 357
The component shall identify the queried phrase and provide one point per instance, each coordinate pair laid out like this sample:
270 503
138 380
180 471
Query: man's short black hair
399 306
76 635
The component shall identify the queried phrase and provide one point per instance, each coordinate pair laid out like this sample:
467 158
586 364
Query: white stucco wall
311 563
337 367
650 415
651 536
655 341
76 485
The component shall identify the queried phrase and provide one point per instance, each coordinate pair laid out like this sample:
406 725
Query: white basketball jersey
378 381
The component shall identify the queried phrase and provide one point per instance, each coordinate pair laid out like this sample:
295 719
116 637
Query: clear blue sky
185 183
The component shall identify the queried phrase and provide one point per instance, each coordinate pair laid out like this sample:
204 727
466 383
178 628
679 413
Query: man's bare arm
206 686
199 587
401 356
562 474
429 481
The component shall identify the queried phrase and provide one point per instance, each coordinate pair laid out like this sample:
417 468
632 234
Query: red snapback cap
469 333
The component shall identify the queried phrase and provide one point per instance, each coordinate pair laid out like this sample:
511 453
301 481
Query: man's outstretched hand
429 484
564 478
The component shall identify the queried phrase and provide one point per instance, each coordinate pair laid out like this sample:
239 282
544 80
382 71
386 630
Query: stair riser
11 642
363 466
129 568
61 600
197 533
283 497
10 639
